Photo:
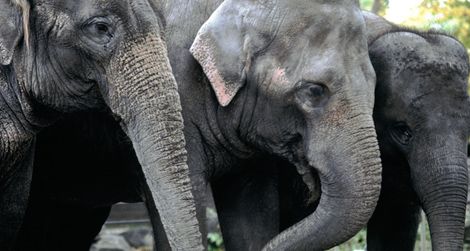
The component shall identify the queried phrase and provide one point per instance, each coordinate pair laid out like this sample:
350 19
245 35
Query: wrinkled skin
270 64
311 69
421 116
423 136
62 57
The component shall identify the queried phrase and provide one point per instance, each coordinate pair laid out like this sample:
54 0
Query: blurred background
452 16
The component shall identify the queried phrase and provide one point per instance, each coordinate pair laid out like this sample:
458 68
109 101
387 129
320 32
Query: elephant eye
99 30
102 29
312 95
402 133
316 90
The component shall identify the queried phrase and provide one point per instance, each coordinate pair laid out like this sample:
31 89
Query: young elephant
422 121
265 60
59 57
421 116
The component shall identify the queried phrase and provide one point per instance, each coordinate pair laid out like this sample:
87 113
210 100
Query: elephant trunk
440 179
143 94
350 184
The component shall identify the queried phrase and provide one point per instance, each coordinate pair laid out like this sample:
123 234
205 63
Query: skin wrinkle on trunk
165 149
444 232
63 72
446 229
352 199
228 129
433 173
439 156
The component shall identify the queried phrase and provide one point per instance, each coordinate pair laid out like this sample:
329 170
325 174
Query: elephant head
69 56
293 78
427 123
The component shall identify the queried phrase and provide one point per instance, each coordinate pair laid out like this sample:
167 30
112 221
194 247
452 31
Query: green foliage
381 5
357 243
423 238
215 242
366 4
452 16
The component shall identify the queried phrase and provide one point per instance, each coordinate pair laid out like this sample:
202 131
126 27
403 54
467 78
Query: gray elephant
421 116
264 60
61 57
423 134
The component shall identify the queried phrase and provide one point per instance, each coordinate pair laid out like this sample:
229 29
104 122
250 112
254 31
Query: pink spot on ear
224 96
279 75
224 91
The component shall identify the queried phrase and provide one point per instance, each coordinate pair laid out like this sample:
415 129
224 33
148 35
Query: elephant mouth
310 178
308 172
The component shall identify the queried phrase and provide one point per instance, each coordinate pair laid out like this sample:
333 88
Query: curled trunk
350 184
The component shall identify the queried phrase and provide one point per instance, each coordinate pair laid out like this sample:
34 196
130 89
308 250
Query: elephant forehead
294 18
420 63
415 50
276 83
324 19
56 17
79 9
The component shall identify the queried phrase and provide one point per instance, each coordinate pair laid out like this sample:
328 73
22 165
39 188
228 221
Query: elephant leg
13 204
52 225
77 225
395 221
83 228
14 197
393 226
248 209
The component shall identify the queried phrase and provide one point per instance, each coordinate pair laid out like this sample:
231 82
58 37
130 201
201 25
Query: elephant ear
222 49
376 26
14 16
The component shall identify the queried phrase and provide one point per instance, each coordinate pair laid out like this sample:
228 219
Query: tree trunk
377 6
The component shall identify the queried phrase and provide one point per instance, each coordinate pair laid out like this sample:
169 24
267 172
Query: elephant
312 69
423 137
241 66
64 57
421 117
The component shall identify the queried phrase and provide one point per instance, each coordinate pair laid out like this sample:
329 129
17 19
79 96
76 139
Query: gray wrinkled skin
62 57
277 81
422 121
265 72
421 116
